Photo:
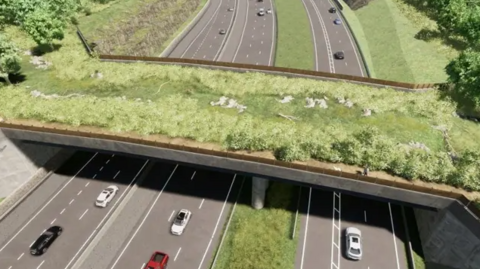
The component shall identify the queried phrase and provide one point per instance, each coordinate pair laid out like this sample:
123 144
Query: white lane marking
263 33
107 161
253 28
253 36
339 229
204 56
243 33
260 52
53 221
144 219
306 228
339 41
176 256
79 192
346 63
247 55
220 50
87 184
31 244
365 215
38 267
171 215
101 168
203 200
256 63
108 213
20 257
116 175
63 210
49 201
143 266
325 36
261 42
94 176
393 235
250 45
218 222
43 231
83 214
210 46
10 267
312 29
71 201
193 175
113 155
215 14
353 44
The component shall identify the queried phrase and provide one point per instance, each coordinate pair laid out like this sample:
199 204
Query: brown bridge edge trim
229 154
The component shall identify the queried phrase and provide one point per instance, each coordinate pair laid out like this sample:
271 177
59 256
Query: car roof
111 187
39 240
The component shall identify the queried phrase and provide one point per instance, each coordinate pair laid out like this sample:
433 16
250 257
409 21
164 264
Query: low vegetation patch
139 28
394 37
294 38
261 239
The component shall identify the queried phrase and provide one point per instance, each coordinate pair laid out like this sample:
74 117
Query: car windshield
109 190
355 251
180 218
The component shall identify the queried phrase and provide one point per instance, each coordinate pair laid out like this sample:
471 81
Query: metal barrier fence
233 155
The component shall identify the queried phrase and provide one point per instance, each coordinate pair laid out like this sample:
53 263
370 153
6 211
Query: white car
106 196
261 13
269 11
181 221
354 243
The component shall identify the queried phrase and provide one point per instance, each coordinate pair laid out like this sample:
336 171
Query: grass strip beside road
261 239
1 199
415 241
294 38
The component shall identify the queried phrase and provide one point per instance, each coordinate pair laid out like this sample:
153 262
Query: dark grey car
45 240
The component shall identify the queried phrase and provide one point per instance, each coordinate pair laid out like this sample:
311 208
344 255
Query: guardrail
248 67
470 205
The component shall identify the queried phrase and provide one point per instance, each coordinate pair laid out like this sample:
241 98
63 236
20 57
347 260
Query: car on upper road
261 13
269 11
180 222
106 196
222 31
337 21
230 9
332 10
45 240
339 55
159 260
354 243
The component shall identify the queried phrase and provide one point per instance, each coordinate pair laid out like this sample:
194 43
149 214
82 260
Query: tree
464 73
15 11
460 17
9 58
44 26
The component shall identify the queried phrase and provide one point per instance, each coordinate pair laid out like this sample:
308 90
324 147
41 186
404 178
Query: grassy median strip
294 38
261 239
396 51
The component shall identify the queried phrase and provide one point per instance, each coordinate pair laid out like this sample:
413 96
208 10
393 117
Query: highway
329 38
167 189
249 38
326 215
70 205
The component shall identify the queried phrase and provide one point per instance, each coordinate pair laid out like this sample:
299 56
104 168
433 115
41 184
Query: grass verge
133 28
294 38
396 51
1 199
415 241
261 239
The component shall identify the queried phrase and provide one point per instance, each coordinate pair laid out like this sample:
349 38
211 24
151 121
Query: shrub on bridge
467 173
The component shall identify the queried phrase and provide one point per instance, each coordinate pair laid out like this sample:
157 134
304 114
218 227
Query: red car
159 260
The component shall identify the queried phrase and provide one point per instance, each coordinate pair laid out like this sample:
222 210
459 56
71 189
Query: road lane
153 233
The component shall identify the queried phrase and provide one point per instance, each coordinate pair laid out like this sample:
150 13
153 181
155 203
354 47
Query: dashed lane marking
83 214
203 200
116 175
171 215
94 176
63 210
178 252
51 223
71 201
193 175
86 185
21 255
79 193
40 265
101 168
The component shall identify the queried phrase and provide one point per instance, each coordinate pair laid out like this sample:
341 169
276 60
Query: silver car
354 243
181 221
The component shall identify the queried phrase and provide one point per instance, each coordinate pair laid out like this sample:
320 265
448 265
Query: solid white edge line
351 42
108 213
313 35
203 29
306 228
325 36
296 213
243 34
228 225
49 201
333 230
144 219
339 228
178 252
273 33
218 222
393 235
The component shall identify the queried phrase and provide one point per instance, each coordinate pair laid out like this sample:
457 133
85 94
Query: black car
339 55
41 245
222 31
332 10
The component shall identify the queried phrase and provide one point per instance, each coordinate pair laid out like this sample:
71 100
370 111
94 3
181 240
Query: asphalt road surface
326 215
329 38
71 206
204 42
208 195
252 38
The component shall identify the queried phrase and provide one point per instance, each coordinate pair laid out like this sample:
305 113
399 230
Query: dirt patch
264 154
144 33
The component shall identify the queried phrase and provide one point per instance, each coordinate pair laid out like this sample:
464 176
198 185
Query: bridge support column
259 187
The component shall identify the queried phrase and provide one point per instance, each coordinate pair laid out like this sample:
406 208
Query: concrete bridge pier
259 188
